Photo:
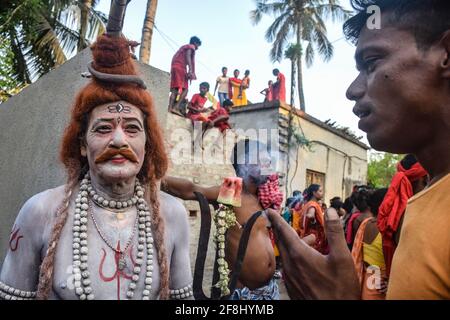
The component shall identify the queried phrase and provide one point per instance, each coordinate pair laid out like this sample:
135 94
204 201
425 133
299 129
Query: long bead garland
224 219
82 282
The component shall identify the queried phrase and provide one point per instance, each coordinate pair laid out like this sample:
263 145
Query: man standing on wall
181 73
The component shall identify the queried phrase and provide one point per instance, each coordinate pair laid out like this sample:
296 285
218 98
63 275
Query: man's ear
83 149
445 63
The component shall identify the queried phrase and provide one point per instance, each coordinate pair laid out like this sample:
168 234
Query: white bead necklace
80 271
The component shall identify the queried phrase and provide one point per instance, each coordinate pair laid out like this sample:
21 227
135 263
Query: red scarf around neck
269 193
393 207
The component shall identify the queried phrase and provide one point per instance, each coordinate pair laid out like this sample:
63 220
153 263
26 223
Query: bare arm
180 265
221 118
20 269
191 108
311 214
215 88
190 61
184 189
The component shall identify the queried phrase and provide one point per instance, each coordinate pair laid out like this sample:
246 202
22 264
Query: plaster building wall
343 162
32 124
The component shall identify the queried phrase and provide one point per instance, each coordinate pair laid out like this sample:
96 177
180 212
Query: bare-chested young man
256 277
108 233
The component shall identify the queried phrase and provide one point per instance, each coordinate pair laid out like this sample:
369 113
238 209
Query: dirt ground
207 280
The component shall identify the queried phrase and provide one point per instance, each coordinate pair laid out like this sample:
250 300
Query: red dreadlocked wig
112 56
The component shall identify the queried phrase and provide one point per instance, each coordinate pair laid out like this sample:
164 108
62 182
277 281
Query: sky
230 39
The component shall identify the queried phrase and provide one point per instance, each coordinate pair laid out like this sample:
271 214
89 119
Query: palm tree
293 52
147 31
43 33
303 19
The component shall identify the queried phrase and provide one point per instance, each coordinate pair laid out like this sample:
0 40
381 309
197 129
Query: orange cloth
393 206
296 218
421 264
279 88
197 103
361 267
223 124
307 226
319 215
235 84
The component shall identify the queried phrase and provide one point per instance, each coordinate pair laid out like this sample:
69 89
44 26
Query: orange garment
361 266
319 215
421 265
314 226
279 88
235 88
296 218
197 103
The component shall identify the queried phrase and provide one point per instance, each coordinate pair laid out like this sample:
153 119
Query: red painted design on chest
118 273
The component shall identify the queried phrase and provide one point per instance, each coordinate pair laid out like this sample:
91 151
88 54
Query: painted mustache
109 153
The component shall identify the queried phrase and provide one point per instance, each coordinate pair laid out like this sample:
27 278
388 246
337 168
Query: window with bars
314 177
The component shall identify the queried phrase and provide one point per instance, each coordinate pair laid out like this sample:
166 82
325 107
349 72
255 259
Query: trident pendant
122 262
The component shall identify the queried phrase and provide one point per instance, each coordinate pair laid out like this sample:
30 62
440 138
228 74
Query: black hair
227 103
251 150
360 198
247 71
204 84
348 205
275 71
236 70
224 68
336 203
195 40
375 200
408 161
309 192
427 20
296 193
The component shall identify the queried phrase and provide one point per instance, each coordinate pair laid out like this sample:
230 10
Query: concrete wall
32 124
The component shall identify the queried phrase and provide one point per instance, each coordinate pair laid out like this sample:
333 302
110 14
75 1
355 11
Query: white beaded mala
80 240
10 293
182 293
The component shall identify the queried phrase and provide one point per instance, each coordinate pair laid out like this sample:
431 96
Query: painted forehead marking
119 108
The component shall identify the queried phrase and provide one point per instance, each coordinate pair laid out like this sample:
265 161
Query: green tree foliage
381 169
39 35
7 84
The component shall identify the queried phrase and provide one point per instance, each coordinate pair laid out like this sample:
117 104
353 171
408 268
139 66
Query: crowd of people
227 88
371 221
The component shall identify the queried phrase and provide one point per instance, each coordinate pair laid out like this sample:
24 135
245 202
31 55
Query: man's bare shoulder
41 207
36 216
172 209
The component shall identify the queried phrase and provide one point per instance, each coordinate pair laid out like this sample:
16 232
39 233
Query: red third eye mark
14 239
